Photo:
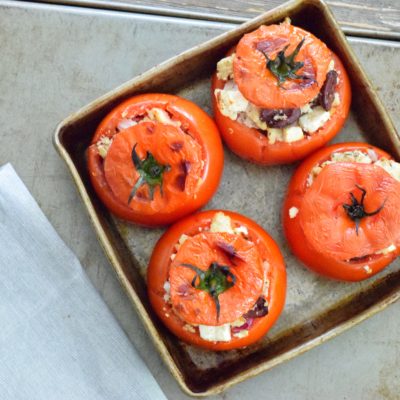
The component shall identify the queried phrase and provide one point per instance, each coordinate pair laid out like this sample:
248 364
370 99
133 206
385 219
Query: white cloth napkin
58 340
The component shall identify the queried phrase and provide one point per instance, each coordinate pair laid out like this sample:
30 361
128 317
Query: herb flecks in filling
215 280
356 210
150 173
285 67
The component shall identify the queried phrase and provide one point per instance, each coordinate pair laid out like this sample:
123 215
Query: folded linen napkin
58 340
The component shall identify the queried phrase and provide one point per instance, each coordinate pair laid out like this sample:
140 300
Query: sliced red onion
247 325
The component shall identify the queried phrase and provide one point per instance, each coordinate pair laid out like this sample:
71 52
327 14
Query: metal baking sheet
316 308
90 82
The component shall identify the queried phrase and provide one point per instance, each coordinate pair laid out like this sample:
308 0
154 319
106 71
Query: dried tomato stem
215 280
356 211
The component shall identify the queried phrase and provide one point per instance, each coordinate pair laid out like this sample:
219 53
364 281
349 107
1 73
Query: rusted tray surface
316 308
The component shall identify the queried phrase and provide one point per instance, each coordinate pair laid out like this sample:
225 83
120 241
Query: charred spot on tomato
230 251
215 280
280 118
180 180
150 173
265 46
259 310
285 67
176 146
327 93
356 211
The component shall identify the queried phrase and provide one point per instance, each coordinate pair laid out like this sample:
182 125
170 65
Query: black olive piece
327 93
280 118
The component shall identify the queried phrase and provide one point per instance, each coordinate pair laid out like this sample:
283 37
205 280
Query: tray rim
110 251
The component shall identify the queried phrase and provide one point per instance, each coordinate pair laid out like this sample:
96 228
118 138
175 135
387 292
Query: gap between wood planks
363 18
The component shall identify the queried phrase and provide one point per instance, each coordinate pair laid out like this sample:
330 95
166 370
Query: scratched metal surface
55 60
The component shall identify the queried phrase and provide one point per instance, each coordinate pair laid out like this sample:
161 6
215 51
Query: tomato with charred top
341 214
217 280
279 95
155 158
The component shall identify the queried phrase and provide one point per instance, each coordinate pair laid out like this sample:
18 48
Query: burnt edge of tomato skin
362 259
180 180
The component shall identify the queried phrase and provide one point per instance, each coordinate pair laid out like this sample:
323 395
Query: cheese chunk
225 68
221 223
391 167
336 100
160 115
220 333
293 211
292 134
103 146
230 101
387 250
314 120
275 135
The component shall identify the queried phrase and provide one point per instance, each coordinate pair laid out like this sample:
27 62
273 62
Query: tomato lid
215 278
333 230
153 166
280 66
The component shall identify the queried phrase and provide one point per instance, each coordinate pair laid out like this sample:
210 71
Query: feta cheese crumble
225 68
220 333
390 166
387 250
167 288
314 119
221 223
293 211
103 145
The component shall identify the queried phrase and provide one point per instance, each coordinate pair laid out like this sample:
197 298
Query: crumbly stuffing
225 68
390 166
189 328
241 334
103 146
235 106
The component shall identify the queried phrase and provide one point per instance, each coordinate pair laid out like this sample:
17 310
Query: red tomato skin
157 274
317 262
206 132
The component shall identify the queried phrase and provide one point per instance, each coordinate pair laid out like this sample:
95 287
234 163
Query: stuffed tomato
341 215
279 95
155 158
217 280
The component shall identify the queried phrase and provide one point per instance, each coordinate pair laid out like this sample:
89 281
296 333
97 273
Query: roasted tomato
217 280
279 95
341 215
155 158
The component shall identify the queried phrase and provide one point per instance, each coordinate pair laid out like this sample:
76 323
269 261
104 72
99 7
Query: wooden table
371 18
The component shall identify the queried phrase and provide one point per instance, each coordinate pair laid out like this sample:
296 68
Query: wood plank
373 18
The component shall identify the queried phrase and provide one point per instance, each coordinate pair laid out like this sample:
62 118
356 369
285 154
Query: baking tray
316 309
